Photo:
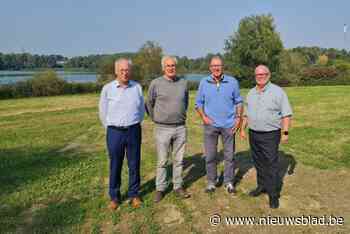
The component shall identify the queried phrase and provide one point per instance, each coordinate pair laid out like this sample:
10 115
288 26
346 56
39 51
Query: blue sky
182 27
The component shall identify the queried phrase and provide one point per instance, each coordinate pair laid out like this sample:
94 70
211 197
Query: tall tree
255 42
147 61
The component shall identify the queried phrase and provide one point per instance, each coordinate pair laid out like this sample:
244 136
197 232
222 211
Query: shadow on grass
197 170
244 163
58 217
150 185
196 167
22 166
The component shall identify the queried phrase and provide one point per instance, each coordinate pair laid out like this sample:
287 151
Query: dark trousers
119 142
264 148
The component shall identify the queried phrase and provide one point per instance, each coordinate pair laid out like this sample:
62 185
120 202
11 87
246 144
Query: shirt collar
223 79
266 87
118 85
172 80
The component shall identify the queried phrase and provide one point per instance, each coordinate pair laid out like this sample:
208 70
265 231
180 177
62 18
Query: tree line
256 41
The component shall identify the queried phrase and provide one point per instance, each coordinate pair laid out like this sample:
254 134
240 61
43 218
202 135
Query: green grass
54 165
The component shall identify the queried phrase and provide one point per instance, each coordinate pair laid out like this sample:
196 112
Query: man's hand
207 120
237 125
284 139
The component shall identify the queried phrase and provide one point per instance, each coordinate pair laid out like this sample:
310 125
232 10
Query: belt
122 128
170 124
251 130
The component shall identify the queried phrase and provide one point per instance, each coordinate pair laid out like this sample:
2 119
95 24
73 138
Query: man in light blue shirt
219 104
121 110
268 115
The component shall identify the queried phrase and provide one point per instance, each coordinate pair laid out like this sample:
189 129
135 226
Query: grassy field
54 171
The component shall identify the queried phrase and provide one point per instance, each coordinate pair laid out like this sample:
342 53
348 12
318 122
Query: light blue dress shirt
121 106
266 109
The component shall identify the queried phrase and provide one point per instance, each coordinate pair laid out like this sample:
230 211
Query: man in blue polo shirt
219 104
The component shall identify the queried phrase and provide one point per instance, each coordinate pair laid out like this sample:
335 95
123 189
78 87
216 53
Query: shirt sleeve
245 106
237 96
151 97
142 103
187 93
103 107
286 109
200 96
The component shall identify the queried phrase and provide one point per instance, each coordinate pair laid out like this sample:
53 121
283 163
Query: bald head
262 68
262 75
122 69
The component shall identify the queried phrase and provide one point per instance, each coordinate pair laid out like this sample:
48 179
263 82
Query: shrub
317 73
47 84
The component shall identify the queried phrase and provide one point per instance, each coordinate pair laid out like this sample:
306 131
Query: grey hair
118 61
216 57
166 57
263 67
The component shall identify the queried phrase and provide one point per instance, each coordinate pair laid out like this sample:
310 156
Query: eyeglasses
261 74
170 65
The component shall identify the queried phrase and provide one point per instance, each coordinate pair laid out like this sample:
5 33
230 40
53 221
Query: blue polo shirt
219 100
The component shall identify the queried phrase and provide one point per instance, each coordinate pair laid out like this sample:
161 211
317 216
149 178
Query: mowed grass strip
54 165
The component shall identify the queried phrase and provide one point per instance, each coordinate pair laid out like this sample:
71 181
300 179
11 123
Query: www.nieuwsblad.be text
303 220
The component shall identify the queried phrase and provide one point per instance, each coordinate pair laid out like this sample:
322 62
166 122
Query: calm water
9 77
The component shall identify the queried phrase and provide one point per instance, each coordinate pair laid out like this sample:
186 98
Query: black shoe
158 197
257 192
274 202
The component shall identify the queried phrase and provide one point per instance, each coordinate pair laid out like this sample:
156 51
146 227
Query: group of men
266 111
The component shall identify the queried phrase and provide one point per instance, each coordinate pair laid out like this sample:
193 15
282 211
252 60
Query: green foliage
255 42
147 63
22 61
312 53
342 66
106 70
47 84
291 67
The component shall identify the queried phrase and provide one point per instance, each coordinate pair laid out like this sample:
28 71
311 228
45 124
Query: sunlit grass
54 166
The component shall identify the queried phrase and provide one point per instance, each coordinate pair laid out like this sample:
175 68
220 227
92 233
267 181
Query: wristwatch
285 133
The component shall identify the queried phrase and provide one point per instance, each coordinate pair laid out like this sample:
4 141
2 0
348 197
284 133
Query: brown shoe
136 202
181 193
158 197
113 205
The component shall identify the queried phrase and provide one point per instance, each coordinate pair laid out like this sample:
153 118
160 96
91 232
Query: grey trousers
211 136
170 140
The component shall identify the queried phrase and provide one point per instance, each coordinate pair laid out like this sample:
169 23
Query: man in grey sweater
167 104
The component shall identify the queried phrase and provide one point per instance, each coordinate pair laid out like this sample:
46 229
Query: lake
10 77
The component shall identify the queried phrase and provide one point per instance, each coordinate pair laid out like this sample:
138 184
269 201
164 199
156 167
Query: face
262 76
123 71
216 68
170 68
